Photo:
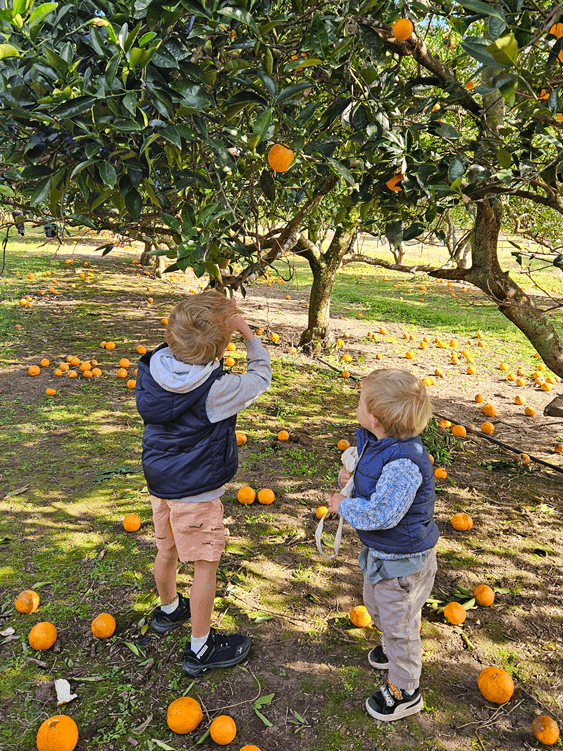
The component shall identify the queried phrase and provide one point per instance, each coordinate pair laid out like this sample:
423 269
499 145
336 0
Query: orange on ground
346 358
241 438
72 374
519 400
524 459
402 29
164 321
343 444
360 616
544 728
44 363
229 362
259 332
483 595
496 685
283 435
409 355
103 626
345 374
184 715
63 366
280 157
34 370
131 383
488 428
274 338
250 748
140 349
58 733
438 372
231 347
440 473
27 601
50 392
124 363
122 373
321 511
110 345
503 366
455 613
530 412
459 431
462 522
42 636
74 362
479 398
96 372
266 496
131 523
223 730
445 424
246 495
471 370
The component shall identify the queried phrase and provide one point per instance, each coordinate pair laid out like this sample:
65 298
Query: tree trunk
487 274
323 267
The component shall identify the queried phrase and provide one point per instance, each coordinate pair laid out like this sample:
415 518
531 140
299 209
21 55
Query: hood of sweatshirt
178 377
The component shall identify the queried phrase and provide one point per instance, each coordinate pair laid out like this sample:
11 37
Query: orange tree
155 119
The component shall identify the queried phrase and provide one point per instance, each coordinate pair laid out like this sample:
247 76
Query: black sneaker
219 651
390 703
163 622
377 657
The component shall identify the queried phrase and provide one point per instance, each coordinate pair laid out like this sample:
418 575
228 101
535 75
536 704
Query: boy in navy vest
391 507
189 405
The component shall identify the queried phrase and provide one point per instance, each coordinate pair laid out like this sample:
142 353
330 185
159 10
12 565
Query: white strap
346 490
337 538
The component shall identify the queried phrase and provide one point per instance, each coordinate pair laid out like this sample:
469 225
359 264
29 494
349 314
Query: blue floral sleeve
393 495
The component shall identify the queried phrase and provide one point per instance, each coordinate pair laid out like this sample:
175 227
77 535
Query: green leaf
447 131
171 222
17 491
5 190
239 14
162 744
504 50
40 13
41 192
504 158
343 171
74 107
170 134
291 91
134 203
265 720
478 51
455 169
319 36
8 50
268 185
83 220
107 173
262 126
415 230
483 8
263 700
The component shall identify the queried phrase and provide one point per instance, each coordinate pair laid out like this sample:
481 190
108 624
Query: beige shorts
196 529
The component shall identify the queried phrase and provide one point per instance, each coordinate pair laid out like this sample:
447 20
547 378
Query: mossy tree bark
324 265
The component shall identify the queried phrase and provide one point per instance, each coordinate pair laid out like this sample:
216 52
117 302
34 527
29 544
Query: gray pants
395 605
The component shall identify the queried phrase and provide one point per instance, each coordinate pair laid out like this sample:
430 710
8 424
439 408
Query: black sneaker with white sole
219 651
377 657
163 622
390 703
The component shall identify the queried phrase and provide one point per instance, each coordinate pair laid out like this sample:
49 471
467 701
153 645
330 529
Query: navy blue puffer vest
184 454
417 530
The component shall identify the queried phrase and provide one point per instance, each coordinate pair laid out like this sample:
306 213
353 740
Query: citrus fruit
483 595
545 729
27 601
223 730
462 522
266 496
283 435
402 29
246 495
241 438
280 157
184 715
360 616
131 523
42 636
496 685
103 626
58 733
454 613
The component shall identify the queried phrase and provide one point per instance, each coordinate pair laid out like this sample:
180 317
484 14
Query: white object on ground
62 687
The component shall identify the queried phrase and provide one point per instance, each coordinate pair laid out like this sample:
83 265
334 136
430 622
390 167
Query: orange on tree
58 733
246 495
483 595
360 616
223 730
42 636
496 685
402 29
544 728
241 438
27 601
266 496
280 157
131 523
103 626
343 444
283 435
462 522
184 715
455 613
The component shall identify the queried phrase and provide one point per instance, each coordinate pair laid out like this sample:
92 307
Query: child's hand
334 503
243 328
344 476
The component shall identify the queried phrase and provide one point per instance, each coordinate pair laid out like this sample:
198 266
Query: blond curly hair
399 401
200 327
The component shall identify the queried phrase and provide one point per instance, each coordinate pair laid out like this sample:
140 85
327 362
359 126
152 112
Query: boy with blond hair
189 405
391 508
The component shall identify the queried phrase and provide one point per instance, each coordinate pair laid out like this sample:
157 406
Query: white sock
198 643
171 607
